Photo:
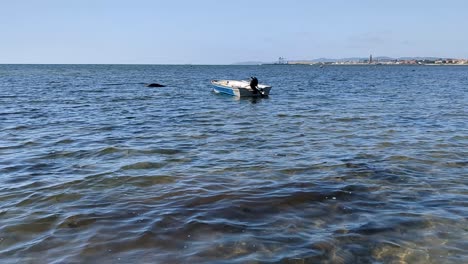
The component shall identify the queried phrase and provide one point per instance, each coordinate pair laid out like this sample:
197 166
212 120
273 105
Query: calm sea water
360 164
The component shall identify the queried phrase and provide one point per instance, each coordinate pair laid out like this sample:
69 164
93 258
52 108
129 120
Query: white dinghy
241 88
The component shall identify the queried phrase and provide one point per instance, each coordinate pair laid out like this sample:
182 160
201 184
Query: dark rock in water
155 85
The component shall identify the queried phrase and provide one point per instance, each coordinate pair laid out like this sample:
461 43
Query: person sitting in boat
254 84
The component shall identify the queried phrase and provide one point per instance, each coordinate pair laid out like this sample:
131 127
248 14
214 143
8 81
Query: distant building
370 59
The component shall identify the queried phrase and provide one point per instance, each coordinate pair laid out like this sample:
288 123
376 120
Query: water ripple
338 165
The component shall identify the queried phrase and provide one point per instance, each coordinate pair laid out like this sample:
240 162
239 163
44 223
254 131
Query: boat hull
239 88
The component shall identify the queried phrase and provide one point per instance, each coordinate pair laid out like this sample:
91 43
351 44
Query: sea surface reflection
342 164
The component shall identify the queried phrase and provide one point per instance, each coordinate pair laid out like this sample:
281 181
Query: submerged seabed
339 165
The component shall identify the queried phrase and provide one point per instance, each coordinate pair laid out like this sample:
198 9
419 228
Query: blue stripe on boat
224 90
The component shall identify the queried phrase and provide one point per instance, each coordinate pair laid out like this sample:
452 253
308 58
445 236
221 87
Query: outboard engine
254 86
253 83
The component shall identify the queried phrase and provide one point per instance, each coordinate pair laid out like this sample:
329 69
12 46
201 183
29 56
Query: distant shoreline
265 64
355 64
371 60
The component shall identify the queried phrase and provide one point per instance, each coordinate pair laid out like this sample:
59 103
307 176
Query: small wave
109 150
19 127
349 119
143 166
363 170
139 181
77 221
386 144
339 79
52 198
401 223
112 149
38 225
201 227
65 141
8 96
118 84
66 154
17 112
457 164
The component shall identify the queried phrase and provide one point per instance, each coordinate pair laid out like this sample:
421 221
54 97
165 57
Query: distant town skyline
369 60
225 32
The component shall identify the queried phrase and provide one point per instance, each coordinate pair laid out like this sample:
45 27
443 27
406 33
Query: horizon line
233 63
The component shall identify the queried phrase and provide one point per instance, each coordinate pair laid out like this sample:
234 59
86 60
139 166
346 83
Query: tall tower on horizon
370 59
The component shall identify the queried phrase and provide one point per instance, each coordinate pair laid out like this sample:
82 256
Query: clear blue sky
223 32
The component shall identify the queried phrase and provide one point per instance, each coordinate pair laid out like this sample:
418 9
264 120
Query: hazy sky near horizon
224 32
